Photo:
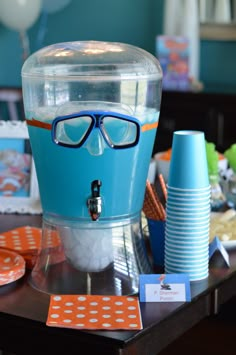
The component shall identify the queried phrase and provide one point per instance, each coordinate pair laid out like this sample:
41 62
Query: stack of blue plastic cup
188 207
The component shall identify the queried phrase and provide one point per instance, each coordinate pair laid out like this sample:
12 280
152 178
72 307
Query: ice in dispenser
92 110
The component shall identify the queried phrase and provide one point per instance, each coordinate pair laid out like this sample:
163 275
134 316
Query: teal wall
131 21
218 66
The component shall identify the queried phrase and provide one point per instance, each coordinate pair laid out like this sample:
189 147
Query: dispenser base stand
66 264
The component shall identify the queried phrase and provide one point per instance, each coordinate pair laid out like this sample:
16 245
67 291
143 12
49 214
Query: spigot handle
95 201
95 187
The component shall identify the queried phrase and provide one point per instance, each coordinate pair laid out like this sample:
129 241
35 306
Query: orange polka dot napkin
94 312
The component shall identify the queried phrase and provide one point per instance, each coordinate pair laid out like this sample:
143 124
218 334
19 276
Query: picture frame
19 191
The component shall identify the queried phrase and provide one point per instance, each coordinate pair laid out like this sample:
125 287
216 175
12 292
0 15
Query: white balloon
19 14
51 6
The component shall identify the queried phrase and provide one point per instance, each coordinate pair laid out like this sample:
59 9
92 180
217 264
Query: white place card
164 288
215 246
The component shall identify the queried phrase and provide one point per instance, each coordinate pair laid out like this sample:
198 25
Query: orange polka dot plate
12 266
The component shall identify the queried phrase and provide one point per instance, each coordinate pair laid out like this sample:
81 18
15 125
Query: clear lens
120 132
72 131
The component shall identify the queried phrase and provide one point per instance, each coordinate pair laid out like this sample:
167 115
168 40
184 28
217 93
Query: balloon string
42 29
25 44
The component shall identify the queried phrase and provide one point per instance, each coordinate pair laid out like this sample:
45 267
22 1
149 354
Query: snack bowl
162 160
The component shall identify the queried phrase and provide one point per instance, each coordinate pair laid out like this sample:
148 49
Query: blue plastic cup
186 269
191 199
186 214
190 266
180 202
188 164
189 196
196 275
188 247
195 245
187 206
192 250
188 225
186 258
186 238
181 191
188 234
186 219
178 211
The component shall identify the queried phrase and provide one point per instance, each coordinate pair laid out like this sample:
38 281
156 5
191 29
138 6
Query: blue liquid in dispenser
65 186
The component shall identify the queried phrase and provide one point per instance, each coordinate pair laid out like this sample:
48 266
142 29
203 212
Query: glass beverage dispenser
92 111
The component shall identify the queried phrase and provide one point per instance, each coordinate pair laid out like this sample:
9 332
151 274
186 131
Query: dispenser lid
92 60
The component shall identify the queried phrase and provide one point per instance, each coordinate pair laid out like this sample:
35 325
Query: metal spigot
95 201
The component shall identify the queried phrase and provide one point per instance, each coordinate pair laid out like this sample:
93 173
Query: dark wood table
23 313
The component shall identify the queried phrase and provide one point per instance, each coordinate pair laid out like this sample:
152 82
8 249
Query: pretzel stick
162 210
148 209
149 206
163 186
155 200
